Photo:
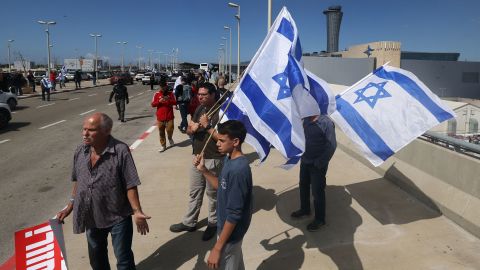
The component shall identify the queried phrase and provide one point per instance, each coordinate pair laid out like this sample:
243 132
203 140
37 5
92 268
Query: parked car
139 76
127 79
39 75
104 74
69 76
9 98
5 115
158 77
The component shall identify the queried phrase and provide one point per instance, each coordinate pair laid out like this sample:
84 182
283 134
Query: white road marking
4 141
108 92
87 112
111 103
141 93
150 130
73 99
61 121
92 95
14 112
41 106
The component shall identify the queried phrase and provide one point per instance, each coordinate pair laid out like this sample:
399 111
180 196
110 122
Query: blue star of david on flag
372 100
285 91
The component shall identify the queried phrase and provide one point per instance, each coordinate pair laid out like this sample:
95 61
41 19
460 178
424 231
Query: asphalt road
37 152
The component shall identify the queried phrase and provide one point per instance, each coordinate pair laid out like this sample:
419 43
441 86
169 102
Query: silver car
9 98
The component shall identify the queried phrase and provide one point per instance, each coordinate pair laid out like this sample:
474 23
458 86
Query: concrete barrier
444 180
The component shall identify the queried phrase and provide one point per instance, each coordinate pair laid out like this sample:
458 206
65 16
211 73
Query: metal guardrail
453 144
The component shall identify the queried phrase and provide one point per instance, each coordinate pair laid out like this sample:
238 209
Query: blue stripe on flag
298 50
319 94
295 75
368 135
234 113
286 29
270 114
416 92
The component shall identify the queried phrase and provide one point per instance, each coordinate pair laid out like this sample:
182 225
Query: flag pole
219 119
357 83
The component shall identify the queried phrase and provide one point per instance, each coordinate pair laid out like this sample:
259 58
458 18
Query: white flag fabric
386 111
276 93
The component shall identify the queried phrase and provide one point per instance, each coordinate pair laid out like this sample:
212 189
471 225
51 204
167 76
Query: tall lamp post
95 36
150 58
159 60
269 15
139 54
123 50
226 53
224 57
238 37
47 24
230 54
9 65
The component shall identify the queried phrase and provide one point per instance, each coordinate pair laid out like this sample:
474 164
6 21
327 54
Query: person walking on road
105 195
320 145
53 78
121 97
183 95
152 80
201 127
234 204
164 101
46 85
31 80
78 79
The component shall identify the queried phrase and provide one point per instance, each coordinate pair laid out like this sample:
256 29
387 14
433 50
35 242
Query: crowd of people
105 199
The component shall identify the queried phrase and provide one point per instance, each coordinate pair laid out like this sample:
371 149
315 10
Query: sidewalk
69 86
371 223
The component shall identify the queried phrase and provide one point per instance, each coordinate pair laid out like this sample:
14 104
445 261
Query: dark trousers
32 84
183 107
151 85
77 84
122 234
314 176
47 91
120 103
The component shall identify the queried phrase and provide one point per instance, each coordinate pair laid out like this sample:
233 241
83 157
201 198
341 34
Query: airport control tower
334 19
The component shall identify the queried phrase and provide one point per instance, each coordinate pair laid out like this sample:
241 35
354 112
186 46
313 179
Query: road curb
59 91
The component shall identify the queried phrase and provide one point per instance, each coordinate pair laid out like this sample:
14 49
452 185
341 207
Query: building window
452 127
470 77
473 126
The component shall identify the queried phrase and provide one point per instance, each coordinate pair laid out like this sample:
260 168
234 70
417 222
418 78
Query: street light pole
139 55
95 36
230 56
47 24
123 50
150 58
269 15
238 37
9 65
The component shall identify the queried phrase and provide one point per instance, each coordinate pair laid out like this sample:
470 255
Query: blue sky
196 27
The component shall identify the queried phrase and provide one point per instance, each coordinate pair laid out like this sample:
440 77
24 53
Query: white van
205 66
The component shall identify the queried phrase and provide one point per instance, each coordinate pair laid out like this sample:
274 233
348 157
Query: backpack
187 93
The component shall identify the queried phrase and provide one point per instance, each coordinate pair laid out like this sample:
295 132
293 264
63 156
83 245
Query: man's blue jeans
183 107
122 234
314 176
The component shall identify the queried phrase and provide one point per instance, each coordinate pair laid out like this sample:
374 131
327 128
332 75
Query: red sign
38 248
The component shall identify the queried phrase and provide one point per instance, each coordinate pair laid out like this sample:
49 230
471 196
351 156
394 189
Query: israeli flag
386 111
276 93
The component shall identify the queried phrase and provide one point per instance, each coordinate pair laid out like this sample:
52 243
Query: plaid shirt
101 196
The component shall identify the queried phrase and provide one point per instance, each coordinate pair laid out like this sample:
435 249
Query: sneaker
180 227
210 232
300 214
171 142
315 226
162 149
